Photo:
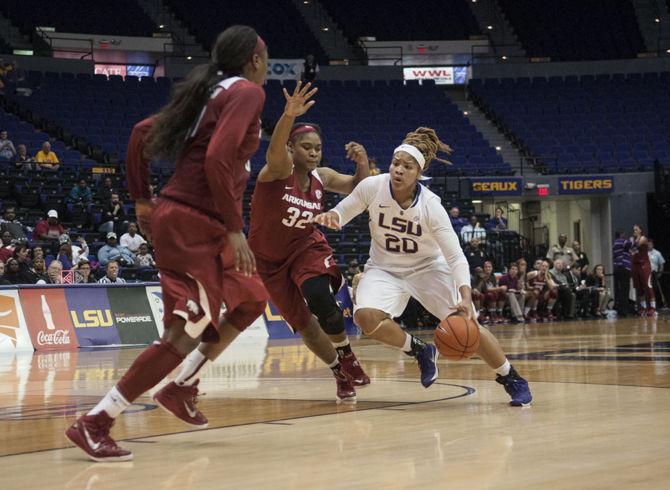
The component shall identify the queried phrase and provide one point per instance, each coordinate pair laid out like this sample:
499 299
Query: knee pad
245 314
322 304
333 322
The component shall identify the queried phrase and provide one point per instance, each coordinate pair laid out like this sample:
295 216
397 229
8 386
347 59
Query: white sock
334 363
113 403
504 369
652 304
190 371
643 304
408 343
344 343
526 310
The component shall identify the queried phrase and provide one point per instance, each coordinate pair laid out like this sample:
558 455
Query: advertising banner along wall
48 319
92 316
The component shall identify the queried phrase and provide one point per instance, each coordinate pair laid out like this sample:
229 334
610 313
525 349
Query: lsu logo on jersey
400 244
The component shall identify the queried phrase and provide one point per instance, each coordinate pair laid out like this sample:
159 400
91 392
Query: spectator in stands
475 255
144 258
495 294
515 294
106 190
132 240
83 272
9 223
7 150
580 290
7 249
40 270
372 164
560 251
22 256
565 303
112 275
49 230
22 160
498 222
622 261
601 295
113 216
113 251
45 158
473 230
80 194
13 272
55 273
530 296
456 221
545 289
309 69
37 252
3 279
64 255
352 269
657 263
581 263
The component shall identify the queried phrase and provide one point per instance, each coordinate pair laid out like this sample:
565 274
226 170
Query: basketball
457 338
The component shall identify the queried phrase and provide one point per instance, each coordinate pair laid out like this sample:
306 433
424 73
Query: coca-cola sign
56 337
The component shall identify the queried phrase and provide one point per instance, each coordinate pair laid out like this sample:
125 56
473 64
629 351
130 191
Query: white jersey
405 240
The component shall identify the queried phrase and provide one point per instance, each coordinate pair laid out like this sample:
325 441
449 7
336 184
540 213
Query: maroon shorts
283 281
197 270
641 274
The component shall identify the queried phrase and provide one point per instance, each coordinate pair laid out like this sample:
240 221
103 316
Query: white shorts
432 286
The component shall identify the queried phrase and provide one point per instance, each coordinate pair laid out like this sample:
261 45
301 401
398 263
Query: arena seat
603 124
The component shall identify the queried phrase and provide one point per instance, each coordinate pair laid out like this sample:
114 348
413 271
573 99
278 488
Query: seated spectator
22 160
40 270
144 258
475 255
544 288
581 262
21 254
581 291
47 159
456 221
106 190
3 279
113 216
352 270
561 251
473 230
7 248
372 164
601 296
14 274
530 298
37 252
49 230
75 252
496 294
113 251
112 275
83 272
498 222
515 293
7 150
9 223
132 240
64 255
566 298
80 194
55 273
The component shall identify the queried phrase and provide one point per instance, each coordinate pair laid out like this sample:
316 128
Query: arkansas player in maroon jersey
641 272
211 128
293 256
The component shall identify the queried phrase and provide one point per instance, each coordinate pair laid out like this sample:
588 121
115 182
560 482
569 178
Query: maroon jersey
212 171
642 255
538 282
281 217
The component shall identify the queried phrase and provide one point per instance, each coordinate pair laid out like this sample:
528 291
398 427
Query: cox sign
284 69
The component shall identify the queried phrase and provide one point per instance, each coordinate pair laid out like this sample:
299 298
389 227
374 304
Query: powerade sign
496 187
132 314
284 69
602 184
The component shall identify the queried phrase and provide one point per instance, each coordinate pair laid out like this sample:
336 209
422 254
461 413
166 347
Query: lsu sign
496 187
602 184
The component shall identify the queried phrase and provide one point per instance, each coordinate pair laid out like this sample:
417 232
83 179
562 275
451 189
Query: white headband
414 151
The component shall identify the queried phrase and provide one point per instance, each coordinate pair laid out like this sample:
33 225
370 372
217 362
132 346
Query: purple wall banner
92 316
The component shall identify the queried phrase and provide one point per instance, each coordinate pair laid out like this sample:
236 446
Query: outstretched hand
299 103
329 220
356 152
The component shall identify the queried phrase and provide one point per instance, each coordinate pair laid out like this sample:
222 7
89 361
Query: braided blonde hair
426 141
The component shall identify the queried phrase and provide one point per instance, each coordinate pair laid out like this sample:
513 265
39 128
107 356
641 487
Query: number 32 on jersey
297 219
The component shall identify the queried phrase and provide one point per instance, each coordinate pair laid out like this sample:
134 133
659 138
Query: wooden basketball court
599 418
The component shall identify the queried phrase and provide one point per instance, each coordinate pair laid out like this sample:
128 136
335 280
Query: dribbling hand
329 220
299 103
245 261
465 309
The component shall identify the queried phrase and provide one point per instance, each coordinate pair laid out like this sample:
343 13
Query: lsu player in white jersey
415 252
